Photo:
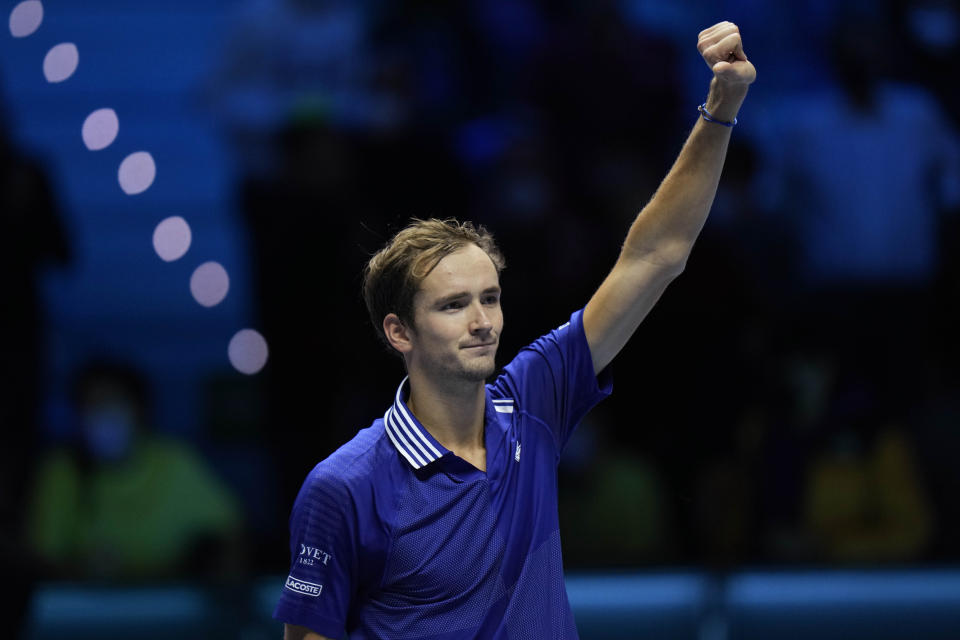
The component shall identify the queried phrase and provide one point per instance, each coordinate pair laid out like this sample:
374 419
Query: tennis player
439 521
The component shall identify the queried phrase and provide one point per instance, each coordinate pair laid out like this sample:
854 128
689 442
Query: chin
479 372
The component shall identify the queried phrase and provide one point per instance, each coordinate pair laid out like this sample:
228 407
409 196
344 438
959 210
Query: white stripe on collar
411 422
408 435
404 449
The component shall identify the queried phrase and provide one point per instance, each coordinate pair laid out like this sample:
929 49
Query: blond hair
393 275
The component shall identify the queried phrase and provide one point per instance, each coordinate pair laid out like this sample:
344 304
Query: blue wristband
709 117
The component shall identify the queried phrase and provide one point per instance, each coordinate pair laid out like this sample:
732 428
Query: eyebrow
463 294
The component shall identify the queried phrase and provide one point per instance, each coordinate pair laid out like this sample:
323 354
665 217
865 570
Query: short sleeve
553 379
323 556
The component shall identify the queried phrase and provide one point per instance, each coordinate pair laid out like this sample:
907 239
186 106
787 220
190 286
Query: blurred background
190 191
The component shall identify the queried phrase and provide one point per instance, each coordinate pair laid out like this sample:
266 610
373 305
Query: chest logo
516 456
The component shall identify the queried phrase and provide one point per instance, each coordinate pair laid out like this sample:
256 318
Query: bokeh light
60 62
248 351
209 284
26 18
171 238
100 129
137 172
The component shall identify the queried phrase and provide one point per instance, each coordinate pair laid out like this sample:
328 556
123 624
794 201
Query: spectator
127 503
865 173
612 508
864 501
279 55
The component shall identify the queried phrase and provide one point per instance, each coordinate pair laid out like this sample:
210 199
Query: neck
452 413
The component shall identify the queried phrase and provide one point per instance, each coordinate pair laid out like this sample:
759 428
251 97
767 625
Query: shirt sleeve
317 592
554 381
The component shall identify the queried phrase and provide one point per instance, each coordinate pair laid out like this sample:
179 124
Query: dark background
792 400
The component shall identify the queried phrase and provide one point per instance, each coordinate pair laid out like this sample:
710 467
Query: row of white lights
247 350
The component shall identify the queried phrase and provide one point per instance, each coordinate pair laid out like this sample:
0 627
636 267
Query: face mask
108 432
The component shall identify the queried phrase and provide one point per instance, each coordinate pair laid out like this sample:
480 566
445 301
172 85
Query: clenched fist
722 50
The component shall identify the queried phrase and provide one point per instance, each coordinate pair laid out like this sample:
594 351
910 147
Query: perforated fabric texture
538 607
440 580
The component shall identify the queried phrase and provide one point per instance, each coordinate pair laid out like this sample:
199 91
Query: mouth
480 346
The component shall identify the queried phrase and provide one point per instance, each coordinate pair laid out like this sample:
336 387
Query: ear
398 334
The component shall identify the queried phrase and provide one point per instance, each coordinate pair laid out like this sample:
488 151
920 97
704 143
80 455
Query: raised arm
662 236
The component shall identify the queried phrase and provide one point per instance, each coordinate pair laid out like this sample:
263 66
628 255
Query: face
457 318
109 420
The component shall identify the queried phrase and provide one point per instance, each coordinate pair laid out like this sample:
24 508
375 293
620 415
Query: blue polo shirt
393 536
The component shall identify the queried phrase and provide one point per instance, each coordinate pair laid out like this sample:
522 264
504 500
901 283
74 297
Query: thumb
738 72
722 68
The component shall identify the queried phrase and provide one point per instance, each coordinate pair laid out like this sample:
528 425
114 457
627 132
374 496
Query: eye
456 304
491 299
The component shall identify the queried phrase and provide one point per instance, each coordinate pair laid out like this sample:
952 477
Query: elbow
671 257
678 266
674 256
673 264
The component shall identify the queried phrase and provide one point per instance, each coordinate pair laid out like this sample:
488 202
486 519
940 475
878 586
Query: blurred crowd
792 399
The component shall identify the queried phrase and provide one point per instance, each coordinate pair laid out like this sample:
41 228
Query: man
440 520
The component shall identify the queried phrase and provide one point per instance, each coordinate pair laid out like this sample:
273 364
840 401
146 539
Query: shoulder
568 335
361 464
550 351
349 499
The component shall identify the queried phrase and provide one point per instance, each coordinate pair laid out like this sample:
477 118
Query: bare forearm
665 230
660 239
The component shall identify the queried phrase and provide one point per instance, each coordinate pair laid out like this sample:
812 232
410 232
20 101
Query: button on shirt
393 536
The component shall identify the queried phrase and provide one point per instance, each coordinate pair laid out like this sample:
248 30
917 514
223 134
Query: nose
481 322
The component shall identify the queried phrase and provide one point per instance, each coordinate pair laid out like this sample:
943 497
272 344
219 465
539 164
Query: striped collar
410 437
503 405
